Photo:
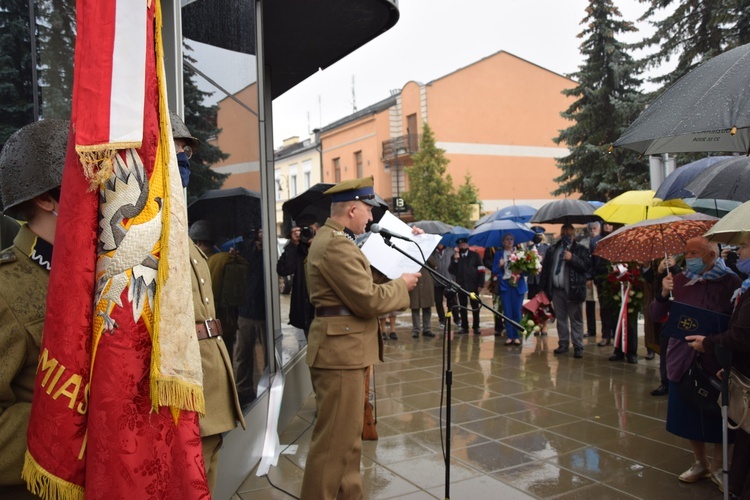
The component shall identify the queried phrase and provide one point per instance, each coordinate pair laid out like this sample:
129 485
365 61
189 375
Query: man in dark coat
468 269
292 261
564 273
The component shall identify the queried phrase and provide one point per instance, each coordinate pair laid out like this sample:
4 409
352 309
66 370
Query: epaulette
339 233
7 256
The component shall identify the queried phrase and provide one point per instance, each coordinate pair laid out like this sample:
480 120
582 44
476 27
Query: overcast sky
432 38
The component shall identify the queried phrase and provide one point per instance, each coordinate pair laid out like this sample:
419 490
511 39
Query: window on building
337 170
358 163
293 182
279 189
306 174
411 130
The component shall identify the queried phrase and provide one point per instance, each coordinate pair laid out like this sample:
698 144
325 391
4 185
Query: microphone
375 228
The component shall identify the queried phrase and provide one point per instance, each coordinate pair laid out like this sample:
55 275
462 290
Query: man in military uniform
222 406
31 166
344 339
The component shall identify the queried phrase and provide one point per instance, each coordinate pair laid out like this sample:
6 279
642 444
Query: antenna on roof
354 97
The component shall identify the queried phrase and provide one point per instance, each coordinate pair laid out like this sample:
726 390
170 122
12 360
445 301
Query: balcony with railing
405 145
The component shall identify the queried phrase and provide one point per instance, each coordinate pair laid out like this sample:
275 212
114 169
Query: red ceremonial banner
96 429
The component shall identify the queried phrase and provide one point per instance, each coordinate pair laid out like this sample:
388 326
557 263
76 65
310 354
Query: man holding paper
707 284
344 339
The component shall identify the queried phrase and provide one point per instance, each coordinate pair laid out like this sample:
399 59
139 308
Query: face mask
184 165
566 240
695 265
743 265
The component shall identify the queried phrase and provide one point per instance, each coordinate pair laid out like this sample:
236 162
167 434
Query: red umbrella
653 239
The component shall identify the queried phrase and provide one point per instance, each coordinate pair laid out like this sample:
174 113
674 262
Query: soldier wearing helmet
185 144
222 405
31 164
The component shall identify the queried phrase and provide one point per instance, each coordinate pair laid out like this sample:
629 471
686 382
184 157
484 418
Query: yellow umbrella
634 206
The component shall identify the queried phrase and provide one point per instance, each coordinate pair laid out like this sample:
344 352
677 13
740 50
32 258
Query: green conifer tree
607 101
16 91
201 121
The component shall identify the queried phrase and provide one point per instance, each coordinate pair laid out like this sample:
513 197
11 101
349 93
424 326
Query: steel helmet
180 131
201 230
31 162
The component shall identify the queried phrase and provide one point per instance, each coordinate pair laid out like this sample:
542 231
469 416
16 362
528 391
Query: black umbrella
567 211
432 226
232 212
727 180
706 110
315 205
673 186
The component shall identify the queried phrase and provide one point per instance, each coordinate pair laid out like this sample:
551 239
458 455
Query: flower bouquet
536 312
522 262
612 290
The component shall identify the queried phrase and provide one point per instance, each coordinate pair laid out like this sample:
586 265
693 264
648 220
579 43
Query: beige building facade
296 169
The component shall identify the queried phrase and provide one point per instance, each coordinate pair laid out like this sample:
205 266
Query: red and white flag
118 389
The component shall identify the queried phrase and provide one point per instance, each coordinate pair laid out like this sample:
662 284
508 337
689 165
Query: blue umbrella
673 186
596 204
491 235
449 239
516 213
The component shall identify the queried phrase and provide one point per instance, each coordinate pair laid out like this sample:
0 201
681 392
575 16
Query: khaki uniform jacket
222 406
23 300
424 294
338 273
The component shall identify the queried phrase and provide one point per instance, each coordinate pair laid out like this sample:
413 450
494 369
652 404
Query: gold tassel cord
46 485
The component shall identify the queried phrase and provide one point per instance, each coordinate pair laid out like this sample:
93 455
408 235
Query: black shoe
415 335
498 334
661 390
632 359
578 353
561 350
586 335
650 355
477 331
442 325
385 336
428 334
604 342
617 357
394 336
463 331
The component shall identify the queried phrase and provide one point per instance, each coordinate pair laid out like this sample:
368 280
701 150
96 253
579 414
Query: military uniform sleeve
14 414
347 272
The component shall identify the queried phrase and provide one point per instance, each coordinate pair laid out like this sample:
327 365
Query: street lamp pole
398 205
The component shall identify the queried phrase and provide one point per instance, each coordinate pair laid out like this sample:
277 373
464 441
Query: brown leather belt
325 311
208 329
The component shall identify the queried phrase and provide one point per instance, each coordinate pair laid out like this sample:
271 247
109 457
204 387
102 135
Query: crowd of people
347 310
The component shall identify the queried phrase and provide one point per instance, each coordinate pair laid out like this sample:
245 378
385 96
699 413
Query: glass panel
221 104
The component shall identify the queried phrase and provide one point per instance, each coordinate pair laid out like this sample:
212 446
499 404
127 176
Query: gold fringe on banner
165 390
46 485
97 161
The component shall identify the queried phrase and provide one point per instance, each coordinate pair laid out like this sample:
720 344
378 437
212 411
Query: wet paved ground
526 424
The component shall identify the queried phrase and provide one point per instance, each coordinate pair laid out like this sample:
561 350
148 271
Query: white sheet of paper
388 260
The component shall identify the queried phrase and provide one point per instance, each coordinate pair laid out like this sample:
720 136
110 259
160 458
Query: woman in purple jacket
706 283
737 338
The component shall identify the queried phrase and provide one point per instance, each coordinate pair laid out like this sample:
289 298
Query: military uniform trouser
211 446
332 467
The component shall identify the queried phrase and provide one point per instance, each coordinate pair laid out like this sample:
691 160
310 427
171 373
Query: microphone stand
451 287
